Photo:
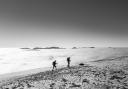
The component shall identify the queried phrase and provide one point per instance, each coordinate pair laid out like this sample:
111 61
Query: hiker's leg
68 64
53 68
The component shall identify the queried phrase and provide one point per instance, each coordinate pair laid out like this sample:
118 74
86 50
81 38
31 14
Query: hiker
54 64
68 60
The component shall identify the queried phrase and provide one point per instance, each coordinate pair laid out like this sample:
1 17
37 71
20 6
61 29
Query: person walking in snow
68 61
54 65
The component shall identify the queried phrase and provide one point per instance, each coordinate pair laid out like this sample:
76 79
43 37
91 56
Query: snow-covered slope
15 59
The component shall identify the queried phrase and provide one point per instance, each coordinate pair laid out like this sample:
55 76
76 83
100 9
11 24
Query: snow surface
16 59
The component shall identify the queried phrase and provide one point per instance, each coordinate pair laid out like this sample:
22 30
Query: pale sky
64 23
